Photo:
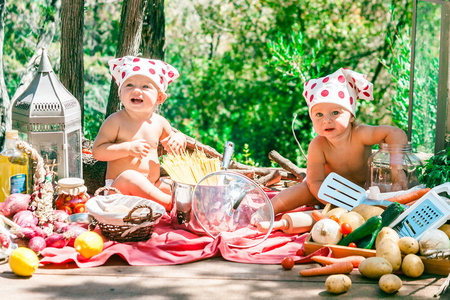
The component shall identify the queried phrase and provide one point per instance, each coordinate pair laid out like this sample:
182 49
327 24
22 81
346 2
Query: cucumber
365 229
387 217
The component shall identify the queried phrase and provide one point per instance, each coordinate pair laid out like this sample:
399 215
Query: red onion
25 218
73 231
37 244
60 227
56 240
15 203
60 215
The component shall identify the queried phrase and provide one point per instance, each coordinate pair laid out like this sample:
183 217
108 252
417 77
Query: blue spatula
341 192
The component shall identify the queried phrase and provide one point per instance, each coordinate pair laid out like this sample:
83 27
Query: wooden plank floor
213 278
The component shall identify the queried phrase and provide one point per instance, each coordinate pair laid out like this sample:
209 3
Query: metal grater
429 212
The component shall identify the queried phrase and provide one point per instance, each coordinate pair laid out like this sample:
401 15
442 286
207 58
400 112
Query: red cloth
172 244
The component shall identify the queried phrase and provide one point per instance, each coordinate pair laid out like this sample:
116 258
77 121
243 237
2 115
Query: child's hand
174 143
399 181
139 148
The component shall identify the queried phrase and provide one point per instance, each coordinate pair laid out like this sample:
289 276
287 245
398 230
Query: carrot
354 259
317 215
404 199
342 267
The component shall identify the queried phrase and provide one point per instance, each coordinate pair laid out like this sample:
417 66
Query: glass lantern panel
426 75
49 153
74 154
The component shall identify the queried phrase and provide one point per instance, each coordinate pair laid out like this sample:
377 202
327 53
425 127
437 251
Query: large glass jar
390 163
72 195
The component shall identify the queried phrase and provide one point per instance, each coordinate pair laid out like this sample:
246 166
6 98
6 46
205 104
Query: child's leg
133 183
293 197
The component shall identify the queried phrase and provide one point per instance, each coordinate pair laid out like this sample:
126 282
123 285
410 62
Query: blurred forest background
242 63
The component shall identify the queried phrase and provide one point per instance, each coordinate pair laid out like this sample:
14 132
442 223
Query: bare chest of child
349 161
148 164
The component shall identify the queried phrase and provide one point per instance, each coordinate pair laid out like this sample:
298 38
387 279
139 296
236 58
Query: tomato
79 208
287 263
346 228
67 209
334 218
300 252
353 245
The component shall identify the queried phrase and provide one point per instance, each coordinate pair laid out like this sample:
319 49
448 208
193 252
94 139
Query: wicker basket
134 226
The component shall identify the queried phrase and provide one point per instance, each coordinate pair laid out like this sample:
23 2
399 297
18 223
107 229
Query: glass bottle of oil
13 167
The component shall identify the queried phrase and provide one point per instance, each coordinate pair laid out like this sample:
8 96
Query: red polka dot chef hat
343 87
158 71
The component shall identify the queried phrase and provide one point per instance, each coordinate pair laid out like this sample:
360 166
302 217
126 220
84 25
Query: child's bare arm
173 142
315 170
106 149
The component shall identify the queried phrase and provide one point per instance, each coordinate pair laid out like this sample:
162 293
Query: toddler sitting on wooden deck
128 139
341 145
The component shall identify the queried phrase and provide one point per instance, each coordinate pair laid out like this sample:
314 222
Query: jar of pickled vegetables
72 195
391 163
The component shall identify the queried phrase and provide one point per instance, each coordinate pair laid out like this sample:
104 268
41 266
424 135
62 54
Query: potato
389 250
390 283
353 218
368 211
412 266
338 283
375 267
386 232
408 245
338 211
445 228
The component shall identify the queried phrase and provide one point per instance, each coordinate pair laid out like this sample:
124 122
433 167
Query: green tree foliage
242 63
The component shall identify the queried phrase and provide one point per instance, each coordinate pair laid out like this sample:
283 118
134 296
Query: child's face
138 93
330 120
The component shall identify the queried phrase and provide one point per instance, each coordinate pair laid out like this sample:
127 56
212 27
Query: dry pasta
190 168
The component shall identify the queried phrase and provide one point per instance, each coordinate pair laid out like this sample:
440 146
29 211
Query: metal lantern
48 117
429 96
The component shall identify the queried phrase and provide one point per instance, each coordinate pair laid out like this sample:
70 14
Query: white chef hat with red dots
158 71
343 87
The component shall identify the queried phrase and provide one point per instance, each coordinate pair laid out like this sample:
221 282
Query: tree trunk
72 68
5 103
131 21
153 30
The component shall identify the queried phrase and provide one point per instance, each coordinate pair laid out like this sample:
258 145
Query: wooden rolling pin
290 223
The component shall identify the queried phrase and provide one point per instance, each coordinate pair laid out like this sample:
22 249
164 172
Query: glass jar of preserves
72 195
393 167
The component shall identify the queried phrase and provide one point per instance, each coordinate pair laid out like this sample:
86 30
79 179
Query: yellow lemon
23 261
88 244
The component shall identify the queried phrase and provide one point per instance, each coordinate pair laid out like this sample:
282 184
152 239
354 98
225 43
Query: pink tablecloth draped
171 245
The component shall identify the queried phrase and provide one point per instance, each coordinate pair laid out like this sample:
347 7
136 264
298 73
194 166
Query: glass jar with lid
389 163
72 195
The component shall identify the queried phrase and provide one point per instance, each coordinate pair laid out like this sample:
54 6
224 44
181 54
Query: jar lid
70 182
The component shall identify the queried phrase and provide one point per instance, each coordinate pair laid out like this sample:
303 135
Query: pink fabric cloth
170 245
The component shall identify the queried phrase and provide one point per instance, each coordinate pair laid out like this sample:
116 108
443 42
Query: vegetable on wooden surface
408 245
433 239
412 266
407 198
352 218
338 283
337 268
317 215
389 249
368 211
354 259
386 233
390 283
375 267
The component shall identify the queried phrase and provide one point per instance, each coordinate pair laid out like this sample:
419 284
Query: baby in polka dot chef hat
341 145
128 139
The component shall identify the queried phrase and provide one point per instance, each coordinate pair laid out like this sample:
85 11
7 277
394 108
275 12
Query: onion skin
56 240
73 231
60 215
15 203
37 244
25 218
